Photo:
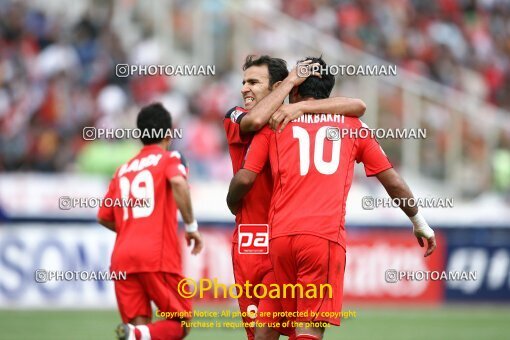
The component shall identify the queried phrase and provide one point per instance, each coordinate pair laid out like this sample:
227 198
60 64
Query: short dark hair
276 67
155 119
315 87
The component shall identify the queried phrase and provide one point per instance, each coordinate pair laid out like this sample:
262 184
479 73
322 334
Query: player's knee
185 331
140 320
266 333
314 332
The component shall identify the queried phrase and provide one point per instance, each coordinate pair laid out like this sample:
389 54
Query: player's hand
431 242
198 243
302 71
285 114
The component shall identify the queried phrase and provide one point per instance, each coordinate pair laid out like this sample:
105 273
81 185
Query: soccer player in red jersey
147 247
266 84
312 165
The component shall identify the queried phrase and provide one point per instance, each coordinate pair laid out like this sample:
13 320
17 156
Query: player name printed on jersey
138 165
319 118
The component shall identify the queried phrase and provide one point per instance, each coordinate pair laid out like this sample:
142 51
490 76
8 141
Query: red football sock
138 335
307 337
166 330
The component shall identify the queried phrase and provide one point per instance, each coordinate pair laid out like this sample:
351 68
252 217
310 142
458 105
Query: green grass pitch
451 322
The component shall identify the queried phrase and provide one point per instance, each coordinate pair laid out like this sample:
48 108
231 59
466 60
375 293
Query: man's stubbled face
255 85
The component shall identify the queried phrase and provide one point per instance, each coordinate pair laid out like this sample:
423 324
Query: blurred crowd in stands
58 75
464 44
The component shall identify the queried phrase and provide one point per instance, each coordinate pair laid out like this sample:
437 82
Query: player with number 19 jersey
146 234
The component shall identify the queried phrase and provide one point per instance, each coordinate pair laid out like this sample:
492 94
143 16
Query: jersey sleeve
106 212
373 157
176 165
232 126
258 152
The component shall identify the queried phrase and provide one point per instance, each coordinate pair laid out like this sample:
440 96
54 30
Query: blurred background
57 76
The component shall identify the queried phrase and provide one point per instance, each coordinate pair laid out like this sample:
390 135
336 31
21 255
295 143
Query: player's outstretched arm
260 114
353 107
240 185
397 188
180 190
108 224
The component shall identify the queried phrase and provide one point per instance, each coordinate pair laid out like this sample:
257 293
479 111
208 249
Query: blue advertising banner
485 251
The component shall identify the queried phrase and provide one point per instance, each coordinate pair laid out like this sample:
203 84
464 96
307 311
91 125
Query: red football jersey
312 172
146 234
255 208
